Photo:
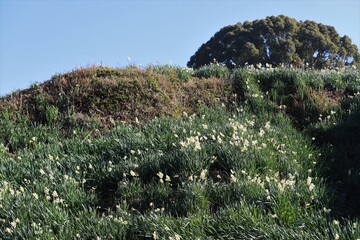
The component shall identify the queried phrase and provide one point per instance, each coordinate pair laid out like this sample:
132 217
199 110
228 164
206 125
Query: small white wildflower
261 132
12 192
205 126
233 178
308 181
13 224
133 174
197 146
336 222
203 175
267 179
55 194
167 178
337 237
311 187
160 175
51 176
326 210
35 196
155 236
42 172
18 192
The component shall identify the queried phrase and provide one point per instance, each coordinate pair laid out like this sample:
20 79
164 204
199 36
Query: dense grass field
172 153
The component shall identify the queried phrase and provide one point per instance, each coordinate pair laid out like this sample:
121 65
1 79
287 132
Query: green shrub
213 70
184 74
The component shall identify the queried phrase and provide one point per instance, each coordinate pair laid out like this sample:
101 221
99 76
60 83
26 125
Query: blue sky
41 38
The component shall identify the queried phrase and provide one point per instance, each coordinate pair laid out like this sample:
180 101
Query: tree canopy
278 40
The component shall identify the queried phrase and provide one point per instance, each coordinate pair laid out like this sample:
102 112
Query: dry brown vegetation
109 95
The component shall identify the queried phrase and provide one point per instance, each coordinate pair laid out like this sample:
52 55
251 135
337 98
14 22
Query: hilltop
168 152
103 93
106 95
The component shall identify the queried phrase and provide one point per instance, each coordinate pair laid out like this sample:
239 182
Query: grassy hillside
172 153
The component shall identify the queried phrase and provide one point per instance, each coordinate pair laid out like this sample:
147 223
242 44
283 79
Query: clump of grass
340 142
173 73
213 70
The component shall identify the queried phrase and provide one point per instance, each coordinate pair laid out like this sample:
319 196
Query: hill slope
172 153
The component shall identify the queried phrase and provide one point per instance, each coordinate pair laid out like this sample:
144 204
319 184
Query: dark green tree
278 40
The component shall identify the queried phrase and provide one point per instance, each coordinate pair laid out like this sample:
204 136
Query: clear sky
41 38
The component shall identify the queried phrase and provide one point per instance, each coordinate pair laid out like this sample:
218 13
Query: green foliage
183 74
195 177
46 113
340 144
270 154
247 89
212 70
278 40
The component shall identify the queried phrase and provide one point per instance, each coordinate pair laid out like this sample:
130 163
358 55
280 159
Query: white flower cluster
310 184
161 177
193 141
